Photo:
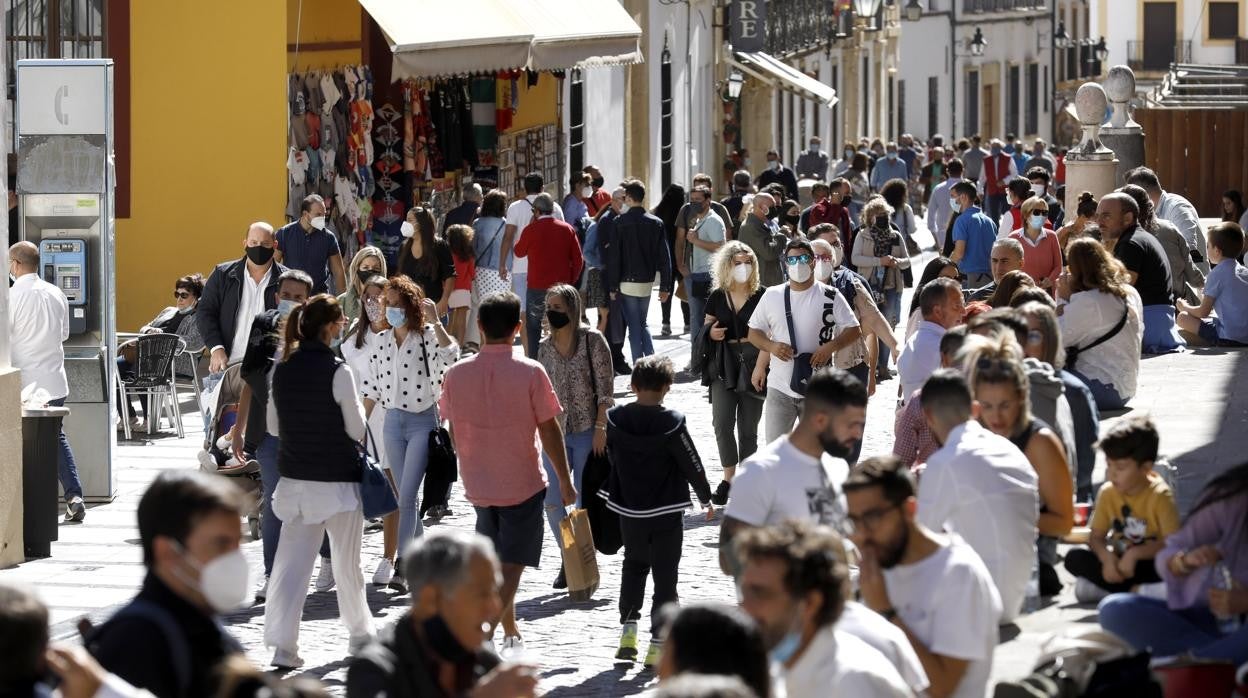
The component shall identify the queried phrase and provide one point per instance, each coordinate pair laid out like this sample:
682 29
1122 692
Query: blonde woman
880 255
735 291
1042 254
369 262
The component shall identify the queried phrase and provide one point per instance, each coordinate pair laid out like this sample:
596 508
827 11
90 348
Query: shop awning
775 72
455 37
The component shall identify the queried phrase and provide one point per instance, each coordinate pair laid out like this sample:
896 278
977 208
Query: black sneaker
720 497
623 369
561 581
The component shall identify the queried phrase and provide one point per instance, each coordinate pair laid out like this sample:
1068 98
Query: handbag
376 494
443 465
1072 353
737 373
802 369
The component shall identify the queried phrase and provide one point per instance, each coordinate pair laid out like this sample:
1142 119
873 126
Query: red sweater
1042 260
553 251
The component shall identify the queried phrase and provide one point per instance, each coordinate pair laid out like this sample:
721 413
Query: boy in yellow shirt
1134 513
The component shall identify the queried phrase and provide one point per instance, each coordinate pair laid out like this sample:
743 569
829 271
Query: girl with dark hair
426 259
315 410
1205 569
668 210
1233 210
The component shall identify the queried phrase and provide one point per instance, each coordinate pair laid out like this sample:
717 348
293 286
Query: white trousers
292 570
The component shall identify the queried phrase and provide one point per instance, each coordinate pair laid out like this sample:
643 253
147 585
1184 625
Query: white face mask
814 147
624 208
741 272
318 222
1038 189
224 581
823 270
1038 220
800 273
587 192
407 229
773 164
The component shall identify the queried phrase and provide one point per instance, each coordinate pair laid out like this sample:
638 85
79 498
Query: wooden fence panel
1198 153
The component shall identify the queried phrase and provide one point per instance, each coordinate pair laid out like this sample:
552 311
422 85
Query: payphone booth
64 120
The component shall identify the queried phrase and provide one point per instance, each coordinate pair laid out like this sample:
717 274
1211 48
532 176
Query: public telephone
64 263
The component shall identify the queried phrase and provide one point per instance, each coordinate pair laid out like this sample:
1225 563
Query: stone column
1122 134
1090 166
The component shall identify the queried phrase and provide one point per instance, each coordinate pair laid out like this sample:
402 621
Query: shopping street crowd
470 361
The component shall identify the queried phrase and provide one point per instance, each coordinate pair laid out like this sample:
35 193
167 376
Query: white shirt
920 357
938 209
251 305
1116 361
810 322
1182 214
397 377
888 639
520 214
980 486
949 602
840 662
779 482
38 326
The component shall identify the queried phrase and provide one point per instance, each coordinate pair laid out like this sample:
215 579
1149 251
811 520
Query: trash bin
40 495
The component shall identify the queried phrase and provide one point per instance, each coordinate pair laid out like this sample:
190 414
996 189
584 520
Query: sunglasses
1042 211
181 295
800 259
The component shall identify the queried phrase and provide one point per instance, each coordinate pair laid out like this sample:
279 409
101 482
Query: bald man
38 325
237 291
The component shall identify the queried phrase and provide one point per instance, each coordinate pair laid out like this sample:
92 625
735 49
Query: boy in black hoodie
654 461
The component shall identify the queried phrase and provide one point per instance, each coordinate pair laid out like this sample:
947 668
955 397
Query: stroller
220 409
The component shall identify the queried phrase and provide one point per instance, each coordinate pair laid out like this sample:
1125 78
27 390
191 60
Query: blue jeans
892 313
406 436
1150 624
635 310
697 304
1106 396
66 469
534 310
270 525
578 447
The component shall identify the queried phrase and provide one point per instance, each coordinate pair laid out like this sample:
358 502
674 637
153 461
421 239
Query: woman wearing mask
897 193
426 259
847 159
357 347
315 410
1085 213
735 291
880 255
1042 254
790 216
999 382
366 264
487 239
859 185
578 361
405 372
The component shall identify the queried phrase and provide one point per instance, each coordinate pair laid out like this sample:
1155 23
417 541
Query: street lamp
1060 38
914 11
735 81
978 43
867 9
1102 51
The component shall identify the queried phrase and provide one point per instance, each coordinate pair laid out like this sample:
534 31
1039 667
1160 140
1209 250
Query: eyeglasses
181 295
800 259
823 257
870 519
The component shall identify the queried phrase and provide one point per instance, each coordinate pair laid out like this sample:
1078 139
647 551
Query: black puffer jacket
653 462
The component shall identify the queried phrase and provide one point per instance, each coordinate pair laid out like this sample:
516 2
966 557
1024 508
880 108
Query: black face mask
367 274
260 255
791 220
558 319
881 222
443 641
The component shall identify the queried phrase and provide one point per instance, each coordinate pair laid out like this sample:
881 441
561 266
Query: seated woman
1199 559
1011 283
999 382
178 319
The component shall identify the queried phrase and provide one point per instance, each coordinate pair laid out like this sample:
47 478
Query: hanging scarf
882 241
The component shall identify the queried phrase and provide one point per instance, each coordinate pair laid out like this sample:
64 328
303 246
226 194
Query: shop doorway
990 116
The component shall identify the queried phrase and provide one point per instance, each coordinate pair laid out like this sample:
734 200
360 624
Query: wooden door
1159 35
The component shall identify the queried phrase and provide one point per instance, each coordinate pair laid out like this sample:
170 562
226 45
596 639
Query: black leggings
1084 563
651 547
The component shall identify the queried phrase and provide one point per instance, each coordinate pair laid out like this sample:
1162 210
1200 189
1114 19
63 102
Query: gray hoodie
1049 405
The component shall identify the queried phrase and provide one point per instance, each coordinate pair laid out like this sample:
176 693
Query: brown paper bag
580 559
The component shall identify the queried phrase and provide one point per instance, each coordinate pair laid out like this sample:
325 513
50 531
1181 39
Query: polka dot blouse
397 377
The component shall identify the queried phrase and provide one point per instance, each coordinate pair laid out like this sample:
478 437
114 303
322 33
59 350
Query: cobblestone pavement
1199 399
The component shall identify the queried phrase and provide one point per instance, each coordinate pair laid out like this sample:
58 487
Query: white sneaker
325 579
489 645
283 659
384 573
263 592
1087 592
512 644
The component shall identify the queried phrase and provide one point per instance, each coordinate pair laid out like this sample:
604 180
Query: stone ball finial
1120 83
1090 103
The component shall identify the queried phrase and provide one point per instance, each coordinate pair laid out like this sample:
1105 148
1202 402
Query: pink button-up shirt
494 401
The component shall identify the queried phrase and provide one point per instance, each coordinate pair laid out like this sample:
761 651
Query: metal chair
153 378
186 365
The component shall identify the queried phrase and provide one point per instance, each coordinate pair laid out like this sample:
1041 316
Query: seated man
1226 292
1148 269
1007 256
168 639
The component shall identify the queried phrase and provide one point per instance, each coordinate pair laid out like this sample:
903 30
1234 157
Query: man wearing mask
700 231
765 239
798 475
952 625
1040 158
604 234
1014 148
890 167
1016 192
235 293
1148 269
519 215
973 159
801 321
777 173
307 245
555 258
938 211
168 640
932 174
813 163
733 204
642 253
598 198
995 174
1040 178
437 648
793 584
973 236
907 152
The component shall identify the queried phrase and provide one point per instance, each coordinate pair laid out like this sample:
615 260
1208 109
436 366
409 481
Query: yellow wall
323 21
536 105
208 123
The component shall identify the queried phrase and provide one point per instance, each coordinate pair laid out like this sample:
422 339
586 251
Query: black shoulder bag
597 473
1072 353
802 369
443 468
735 371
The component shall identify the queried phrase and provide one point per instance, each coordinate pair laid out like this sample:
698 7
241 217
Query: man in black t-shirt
1147 266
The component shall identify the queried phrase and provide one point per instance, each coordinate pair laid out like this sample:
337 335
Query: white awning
456 37
775 72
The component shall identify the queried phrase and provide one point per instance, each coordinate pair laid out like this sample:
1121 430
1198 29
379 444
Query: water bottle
1031 598
1222 580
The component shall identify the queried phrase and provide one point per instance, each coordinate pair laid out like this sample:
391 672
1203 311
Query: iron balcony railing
1157 55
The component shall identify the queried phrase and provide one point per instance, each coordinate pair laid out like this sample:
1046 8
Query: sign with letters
747 25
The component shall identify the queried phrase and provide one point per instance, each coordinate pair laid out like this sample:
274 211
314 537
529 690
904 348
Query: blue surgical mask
286 305
955 205
397 317
1038 220
787 647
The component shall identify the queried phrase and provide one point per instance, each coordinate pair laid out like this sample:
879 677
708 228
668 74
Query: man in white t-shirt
933 587
822 321
519 215
793 584
799 475
979 486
